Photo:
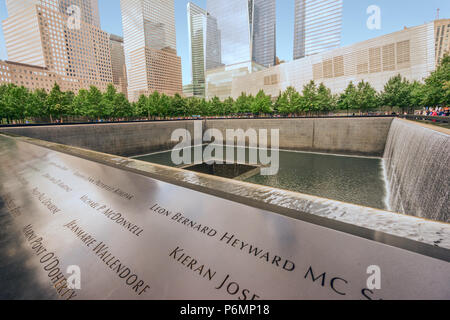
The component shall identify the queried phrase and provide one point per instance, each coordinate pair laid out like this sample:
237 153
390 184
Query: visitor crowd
436 112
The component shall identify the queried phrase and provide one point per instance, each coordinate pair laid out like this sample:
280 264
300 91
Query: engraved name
102 251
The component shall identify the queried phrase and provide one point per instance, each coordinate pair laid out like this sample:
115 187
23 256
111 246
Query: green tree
3 92
141 105
94 99
5 110
417 92
18 103
192 106
15 102
289 101
36 104
348 99
216 107
152 104
366 97
447 92
310 103
204 107
434 95
397 93
122 107
107 102
262 104
163 107
325 100
55 103
243 103
68 98
228 106
178 106
80 106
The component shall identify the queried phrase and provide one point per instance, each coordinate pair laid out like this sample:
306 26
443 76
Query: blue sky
395 14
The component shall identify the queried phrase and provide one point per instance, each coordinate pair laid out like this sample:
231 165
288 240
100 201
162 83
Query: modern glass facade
204 46
219 82
119 70
247 30
150 47
197 43
318 26
264 32
233 22
213 49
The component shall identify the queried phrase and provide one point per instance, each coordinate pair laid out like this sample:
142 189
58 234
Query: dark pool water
357 180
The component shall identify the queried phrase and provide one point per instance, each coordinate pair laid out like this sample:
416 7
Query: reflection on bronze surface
191 245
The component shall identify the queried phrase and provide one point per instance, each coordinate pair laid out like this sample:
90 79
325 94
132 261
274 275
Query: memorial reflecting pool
358 180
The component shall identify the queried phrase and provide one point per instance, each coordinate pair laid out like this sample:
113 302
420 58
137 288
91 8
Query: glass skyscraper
204 46
264 32
247 29
150 47
318 26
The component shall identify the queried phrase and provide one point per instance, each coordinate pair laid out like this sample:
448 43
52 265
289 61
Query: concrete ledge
428 126
414 234
359 136
350 136
126 139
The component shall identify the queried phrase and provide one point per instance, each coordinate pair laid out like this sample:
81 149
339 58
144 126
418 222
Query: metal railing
443 120
242 117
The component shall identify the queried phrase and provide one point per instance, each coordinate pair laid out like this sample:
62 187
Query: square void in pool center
358 180
236 171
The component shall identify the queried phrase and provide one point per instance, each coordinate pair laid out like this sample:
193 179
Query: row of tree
18 104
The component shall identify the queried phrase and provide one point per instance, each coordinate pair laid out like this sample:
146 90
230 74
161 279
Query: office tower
150 47
37 33
442 40
119 70
213 49
204 46
247 30
31 77
197 20
264 32
88 10
318 26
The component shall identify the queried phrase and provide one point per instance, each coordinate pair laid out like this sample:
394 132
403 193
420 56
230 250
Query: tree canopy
19 104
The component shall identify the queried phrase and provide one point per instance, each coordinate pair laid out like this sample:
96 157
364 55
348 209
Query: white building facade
410 53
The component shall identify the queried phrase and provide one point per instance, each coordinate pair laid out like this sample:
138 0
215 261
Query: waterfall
417 161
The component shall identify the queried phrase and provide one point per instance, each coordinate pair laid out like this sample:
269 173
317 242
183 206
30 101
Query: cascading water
417 161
